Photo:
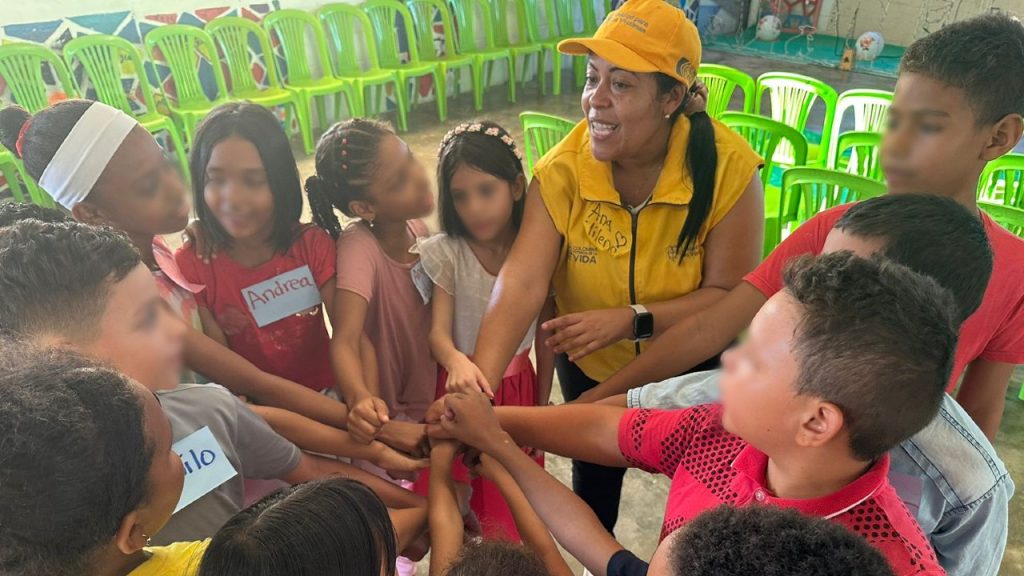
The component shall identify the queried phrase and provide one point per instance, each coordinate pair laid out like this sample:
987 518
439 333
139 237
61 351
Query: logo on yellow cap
686 71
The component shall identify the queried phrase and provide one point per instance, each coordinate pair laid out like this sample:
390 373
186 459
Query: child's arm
574 524
211 328
983 393
463 375
367 353
312 467
446 525
313 436
531 527
367 412
545 355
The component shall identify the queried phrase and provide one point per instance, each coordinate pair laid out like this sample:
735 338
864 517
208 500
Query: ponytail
35 139
702 161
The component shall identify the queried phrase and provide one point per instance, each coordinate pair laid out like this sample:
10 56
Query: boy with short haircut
85 287
846 362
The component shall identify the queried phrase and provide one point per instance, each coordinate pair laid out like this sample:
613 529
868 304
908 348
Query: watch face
643 326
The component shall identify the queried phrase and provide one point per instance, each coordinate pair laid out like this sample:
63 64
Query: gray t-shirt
252 447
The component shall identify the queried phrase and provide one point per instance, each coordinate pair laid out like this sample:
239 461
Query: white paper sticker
206 466
423 283
281 296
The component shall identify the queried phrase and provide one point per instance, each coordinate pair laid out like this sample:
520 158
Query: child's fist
470 418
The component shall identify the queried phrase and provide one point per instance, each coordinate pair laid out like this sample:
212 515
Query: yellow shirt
178 559
598 266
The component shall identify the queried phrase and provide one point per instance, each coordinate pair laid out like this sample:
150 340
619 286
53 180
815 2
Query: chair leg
542 77
556 72
321 112
579 68
10 172
403 106
511 79
478 85
441 94
179 147
305 126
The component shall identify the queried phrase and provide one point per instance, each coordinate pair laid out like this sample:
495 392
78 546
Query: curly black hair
14 212
770 541
75 459
496 558
874 338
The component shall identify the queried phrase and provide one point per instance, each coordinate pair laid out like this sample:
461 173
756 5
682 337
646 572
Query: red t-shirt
709 467
995 332
266 311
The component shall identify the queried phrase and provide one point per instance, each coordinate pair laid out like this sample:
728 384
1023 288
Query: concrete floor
638 525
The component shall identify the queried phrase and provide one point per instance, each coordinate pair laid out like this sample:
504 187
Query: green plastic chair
1009 217
765 136
864 156
522 47
790 97
384 16
424 17
21 66
1002 182
14 174
232 35
102 57
722 82
344 23
540 133
548 40
301 60
566 14
870 112
181 47
807 191
474 19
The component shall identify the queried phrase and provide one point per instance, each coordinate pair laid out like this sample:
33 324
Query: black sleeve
625 563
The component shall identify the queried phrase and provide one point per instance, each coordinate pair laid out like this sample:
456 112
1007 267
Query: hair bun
12 120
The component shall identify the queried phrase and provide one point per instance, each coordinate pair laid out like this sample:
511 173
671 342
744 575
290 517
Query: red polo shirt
709 467
995 332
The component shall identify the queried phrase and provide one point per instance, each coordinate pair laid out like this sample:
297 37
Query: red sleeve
320 253
655 440
357 266
189 264
809 238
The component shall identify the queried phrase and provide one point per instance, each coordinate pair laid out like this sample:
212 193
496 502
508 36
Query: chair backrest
1009 217
509 15
239 39
1002 182
765 136
791 96
473 20
22 65
538 11
722 81
290 27
102 57
870 111
807 191
343 23
865 155
565 12
182 48
540 133
384 16
426 14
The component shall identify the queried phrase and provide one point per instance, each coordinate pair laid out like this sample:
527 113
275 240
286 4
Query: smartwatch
643 323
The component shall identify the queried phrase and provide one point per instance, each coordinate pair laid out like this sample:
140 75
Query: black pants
599 486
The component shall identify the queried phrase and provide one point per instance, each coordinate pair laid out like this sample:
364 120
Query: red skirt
518 388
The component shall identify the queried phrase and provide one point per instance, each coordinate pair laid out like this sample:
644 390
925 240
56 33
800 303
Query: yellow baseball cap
644 36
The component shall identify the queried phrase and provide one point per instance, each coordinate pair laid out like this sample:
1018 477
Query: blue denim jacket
948 475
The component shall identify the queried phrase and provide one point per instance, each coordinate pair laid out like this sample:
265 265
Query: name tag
206 466
424 285
281 296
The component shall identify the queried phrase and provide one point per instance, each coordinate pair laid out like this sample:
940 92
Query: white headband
83 155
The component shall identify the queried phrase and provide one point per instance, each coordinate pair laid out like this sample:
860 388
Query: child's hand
435 412
406 437
582 333
471 420
366 418
483 465
465 376
395 462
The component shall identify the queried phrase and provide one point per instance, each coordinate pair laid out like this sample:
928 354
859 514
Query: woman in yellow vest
640 216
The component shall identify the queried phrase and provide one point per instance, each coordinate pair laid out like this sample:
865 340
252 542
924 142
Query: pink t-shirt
397 318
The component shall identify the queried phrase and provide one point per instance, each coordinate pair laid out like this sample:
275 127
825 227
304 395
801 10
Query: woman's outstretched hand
583 333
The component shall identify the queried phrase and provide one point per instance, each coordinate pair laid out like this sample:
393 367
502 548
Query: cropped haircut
496 558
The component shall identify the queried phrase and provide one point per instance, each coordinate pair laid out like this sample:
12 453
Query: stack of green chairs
722 81
540 133
1009 217
233 36
870 111
383 16
523 46
790 97
475 20
765 136
291 28
21 66
864 158
548 40
807 191
1002 182
424 16
344 23
182 47
566 15
102 57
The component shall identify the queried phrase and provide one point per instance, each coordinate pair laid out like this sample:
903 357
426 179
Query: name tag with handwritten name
206 466
281 296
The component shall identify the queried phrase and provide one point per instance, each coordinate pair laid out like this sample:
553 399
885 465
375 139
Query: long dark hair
346 160
335 526
702 161
260 127
481 151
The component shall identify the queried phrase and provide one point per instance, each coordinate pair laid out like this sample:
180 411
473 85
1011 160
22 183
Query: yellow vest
611 258
178 559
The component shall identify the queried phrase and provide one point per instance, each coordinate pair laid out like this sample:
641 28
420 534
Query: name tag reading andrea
281 296
206 466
